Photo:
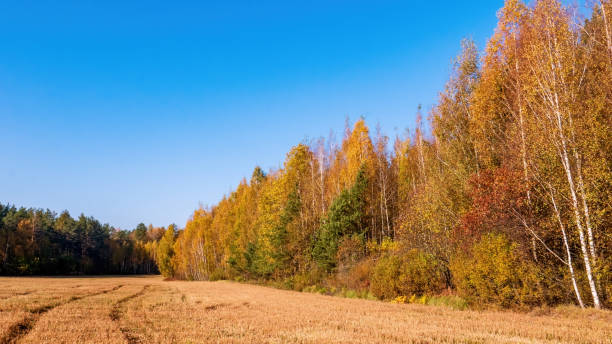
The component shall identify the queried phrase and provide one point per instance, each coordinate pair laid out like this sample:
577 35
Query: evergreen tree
345 217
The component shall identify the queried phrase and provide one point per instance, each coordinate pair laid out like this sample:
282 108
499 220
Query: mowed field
150 310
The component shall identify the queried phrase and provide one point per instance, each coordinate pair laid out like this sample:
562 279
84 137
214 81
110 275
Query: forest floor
150 310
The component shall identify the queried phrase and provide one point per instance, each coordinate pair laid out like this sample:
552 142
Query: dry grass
149 310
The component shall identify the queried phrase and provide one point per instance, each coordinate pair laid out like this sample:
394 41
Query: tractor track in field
16 295
25 325
116 312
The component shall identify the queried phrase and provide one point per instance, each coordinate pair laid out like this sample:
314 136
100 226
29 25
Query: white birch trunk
574 198
567 251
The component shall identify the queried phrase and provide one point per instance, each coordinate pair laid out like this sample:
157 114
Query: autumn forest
501 195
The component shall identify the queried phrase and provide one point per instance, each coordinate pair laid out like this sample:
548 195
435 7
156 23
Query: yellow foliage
399 299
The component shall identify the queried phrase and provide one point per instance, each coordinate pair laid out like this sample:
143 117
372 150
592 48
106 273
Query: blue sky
140 112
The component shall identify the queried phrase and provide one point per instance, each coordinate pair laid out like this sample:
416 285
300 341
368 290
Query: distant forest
36 241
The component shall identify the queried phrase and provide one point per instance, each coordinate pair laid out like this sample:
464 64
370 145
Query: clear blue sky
139 112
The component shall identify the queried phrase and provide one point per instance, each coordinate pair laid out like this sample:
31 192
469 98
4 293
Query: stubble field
149 310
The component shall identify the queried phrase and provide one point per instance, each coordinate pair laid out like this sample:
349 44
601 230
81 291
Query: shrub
384 282
494 273
421 274
302 280
359 275
414 273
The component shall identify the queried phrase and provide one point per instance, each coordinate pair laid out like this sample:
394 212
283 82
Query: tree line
505 200
37 241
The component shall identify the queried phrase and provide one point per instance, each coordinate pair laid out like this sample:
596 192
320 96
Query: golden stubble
149 310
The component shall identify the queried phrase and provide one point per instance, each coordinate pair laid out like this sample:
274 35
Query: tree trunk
585 207
583 244
567 250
